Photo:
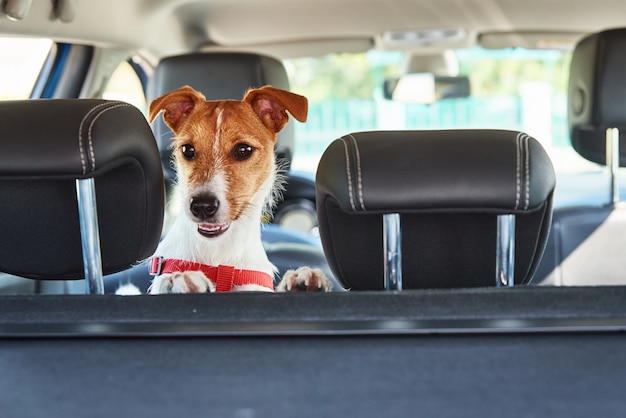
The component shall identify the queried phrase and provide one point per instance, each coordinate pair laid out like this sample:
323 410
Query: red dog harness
224 277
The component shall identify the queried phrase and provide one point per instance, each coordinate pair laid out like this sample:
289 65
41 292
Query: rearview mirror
425 88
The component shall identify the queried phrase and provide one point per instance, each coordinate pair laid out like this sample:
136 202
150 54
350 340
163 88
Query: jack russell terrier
227 176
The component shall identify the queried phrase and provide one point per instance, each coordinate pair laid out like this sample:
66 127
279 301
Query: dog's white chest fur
240 246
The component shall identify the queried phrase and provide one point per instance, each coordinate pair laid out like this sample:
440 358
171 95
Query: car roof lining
162 28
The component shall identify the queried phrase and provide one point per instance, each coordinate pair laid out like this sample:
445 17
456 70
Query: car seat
82 189
586 244
456 194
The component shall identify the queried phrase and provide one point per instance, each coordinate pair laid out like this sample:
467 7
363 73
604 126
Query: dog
227 177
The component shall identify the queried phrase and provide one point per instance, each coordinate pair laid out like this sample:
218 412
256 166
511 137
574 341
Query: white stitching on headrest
93 121
80 136
358 170
518 179
527 171
523 179
112 105
345 146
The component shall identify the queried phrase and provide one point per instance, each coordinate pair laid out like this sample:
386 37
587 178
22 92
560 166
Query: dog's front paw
181 282
304 279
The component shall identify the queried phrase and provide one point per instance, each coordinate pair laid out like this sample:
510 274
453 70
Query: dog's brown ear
177 104
272 104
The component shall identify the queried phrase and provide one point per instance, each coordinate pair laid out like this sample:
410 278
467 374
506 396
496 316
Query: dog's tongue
212 230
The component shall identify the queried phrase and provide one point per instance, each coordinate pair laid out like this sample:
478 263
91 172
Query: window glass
125 85
22 60
514 89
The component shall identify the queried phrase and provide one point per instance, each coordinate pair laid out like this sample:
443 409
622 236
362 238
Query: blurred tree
503 72
349 76
335 76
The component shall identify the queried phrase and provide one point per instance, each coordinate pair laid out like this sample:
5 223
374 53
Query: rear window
515 89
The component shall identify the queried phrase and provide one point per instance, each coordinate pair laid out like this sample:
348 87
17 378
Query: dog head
225 150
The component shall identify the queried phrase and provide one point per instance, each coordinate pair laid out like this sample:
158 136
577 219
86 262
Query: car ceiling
290 28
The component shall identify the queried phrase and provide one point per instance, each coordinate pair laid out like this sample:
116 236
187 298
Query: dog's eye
242 152
188 151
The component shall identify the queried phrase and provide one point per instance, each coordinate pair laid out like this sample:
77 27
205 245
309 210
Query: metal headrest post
505 250
89 235
612 162
392 249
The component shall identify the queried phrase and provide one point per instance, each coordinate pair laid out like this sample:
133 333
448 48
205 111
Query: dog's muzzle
204 207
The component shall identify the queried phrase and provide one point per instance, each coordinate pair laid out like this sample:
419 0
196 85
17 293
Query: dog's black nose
204 207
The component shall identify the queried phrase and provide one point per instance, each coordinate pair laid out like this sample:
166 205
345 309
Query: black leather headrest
597 94
46 145
219 76
383 172
448 187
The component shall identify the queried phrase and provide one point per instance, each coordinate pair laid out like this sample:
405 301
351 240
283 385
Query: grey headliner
159 28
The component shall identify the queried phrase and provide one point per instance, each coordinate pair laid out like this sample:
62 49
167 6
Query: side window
22 61
125 85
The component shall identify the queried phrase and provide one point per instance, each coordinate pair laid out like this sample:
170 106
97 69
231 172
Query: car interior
457 179
586 241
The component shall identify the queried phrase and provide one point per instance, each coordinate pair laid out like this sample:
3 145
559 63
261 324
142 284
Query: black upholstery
439 353
47 144
597 93
449 187
586 244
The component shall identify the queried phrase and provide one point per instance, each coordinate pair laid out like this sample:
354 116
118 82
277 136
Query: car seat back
449 189
56 155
